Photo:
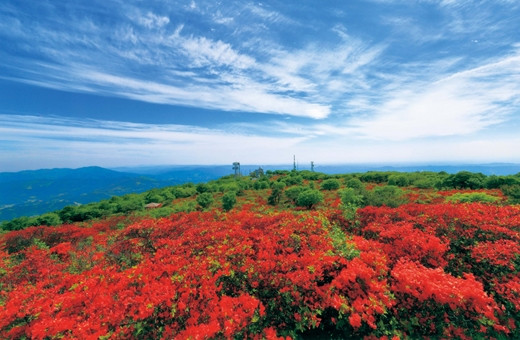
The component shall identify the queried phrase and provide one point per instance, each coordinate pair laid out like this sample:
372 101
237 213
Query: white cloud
252 98
151 20
459 104
205 52
70 142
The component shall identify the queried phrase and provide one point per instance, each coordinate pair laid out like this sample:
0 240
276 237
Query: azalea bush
444 270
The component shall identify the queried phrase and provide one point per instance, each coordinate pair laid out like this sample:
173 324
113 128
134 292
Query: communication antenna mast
294 162
236 167
312 166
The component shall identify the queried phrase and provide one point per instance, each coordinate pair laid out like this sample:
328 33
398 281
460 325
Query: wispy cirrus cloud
460 103
49 139
409 71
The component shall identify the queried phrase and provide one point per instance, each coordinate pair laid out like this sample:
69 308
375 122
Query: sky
126 83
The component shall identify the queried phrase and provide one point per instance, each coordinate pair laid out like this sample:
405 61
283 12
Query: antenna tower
236 167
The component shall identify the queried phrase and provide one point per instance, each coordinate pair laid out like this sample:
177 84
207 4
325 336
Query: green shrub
309 198
293 192
349 197
401 180
204 200
261 184
330 184
228 200
388 195
355 183
471 197
276 193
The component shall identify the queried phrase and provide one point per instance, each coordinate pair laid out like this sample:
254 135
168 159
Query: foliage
471 197
204 200
388 195
229 199
355 183
293 192
350 197
513 191
385 269
414 271
202 188
308 198
400 180
465 179
261 184
330 184
276 193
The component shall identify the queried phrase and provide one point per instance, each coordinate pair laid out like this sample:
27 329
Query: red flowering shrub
438 270
426 293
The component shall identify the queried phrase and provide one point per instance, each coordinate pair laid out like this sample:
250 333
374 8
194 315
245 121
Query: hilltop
34 192
182 197
295 254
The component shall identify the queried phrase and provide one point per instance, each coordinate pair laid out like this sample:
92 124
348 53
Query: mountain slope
28 193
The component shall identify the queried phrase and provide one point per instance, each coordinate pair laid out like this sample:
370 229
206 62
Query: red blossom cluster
438 270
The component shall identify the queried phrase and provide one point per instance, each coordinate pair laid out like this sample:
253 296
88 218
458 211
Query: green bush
293 179
204 200
202 188
293 192
261 184
229 200
471 197
309 198
349 197
49 219
388 195
330 184
355 183
184 191
276 193
401 180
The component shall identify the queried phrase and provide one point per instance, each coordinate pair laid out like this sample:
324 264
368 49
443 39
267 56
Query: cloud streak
313 75
49 139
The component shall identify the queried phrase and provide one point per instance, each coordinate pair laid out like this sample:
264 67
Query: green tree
228 200
309 198
205 200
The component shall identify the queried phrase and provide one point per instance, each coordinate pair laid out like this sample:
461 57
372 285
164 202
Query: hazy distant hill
35 192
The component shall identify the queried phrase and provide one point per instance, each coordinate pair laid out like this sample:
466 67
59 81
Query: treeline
301 188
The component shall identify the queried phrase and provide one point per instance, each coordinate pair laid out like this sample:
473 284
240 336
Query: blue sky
123 83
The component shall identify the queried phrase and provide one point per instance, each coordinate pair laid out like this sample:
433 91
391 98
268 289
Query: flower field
437 270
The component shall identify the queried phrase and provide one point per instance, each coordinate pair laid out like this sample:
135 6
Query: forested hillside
294 254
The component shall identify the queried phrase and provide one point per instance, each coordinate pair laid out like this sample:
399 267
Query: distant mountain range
33 192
